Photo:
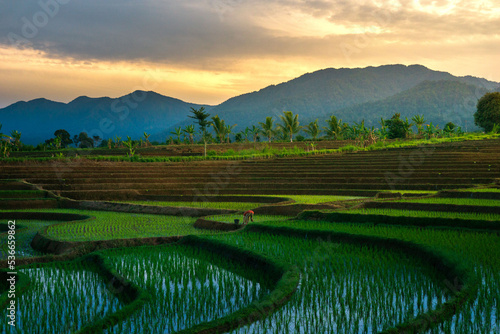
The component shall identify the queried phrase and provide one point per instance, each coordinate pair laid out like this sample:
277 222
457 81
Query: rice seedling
344 288
209 205
186 288
24 236
478 251
118 225
426 214
62 298
455 201
256 218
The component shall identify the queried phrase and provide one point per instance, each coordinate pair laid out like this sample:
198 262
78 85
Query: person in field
248 215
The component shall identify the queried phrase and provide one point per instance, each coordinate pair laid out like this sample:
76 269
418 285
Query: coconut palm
268 129
312 129
255 132
290 123
201 117
334 128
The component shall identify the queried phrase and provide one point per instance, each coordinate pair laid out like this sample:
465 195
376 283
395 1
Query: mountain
345 93
130 115
440 102
350 94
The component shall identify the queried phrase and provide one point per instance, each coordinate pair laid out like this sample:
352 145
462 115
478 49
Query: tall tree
488 111
65 137
312 129
290 122
201 117
268 129
85 141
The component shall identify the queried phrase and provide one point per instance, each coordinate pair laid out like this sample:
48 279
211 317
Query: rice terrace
395 236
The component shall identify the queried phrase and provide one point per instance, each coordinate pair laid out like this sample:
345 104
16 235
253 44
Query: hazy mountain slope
351 94
130 115
439 101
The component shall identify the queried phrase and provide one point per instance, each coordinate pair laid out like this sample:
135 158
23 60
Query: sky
206 51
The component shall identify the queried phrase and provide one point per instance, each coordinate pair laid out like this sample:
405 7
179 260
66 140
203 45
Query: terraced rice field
186 288
444 166
62 298
398 273
115 225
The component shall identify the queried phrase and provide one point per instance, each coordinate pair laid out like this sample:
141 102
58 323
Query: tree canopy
488 111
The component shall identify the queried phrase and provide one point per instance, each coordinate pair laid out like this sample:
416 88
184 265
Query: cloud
202 33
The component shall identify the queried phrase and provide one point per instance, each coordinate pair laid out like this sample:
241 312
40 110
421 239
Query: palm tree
177 132
255 132
312 129
219 127
201 117
334 128
268 129
189 131
419 120
227 131
290 123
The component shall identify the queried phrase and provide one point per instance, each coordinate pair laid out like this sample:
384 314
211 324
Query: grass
455 201
24 237
344 288
481 190
62 298
243 206
117 225
271 152
426 214
186 288
477 251
256 218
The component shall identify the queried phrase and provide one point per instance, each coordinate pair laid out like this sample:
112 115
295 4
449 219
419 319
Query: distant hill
129 115
348 93
351 94
439 101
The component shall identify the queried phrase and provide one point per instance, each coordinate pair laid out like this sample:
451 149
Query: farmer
247 215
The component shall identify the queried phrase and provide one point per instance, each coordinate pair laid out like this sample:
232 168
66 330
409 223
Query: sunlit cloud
210 50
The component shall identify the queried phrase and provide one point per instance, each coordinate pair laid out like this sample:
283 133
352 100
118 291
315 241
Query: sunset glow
209 51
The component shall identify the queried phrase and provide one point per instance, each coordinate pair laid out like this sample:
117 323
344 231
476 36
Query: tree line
286 128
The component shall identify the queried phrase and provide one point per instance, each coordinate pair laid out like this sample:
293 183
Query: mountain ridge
350 94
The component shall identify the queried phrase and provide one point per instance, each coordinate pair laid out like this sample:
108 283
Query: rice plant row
344 288
209 205
119 225
455 201
186 288
256 218
24 236
62 298
426 214
480 252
